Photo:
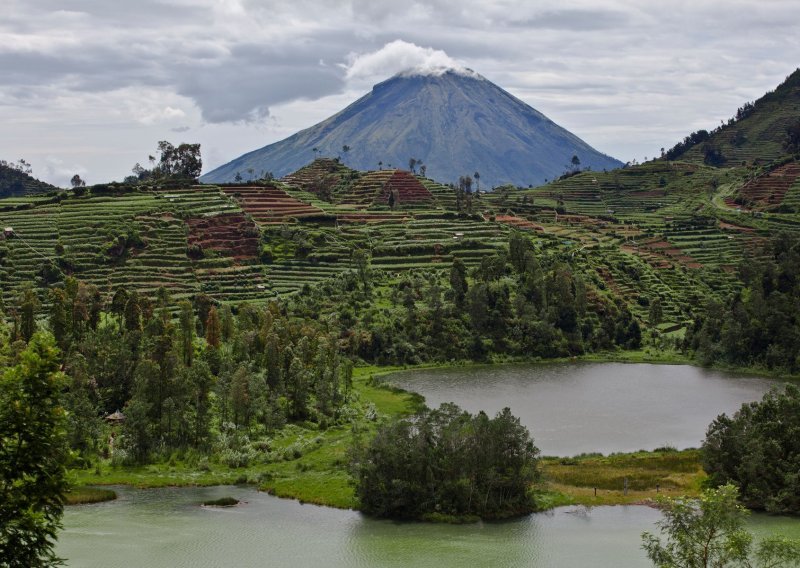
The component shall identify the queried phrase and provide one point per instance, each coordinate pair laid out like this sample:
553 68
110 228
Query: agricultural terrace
661 229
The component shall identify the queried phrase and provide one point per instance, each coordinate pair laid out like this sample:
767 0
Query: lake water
572 408
166 528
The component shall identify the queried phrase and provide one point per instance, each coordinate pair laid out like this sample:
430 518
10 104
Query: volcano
454 121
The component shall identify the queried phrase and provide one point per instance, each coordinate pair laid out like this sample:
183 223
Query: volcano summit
454 121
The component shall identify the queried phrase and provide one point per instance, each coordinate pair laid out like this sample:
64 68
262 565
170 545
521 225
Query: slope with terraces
770 189
270 205
229 234
321 177
16 183
758 135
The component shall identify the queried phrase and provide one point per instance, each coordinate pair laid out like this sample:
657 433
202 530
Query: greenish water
572 408
167 528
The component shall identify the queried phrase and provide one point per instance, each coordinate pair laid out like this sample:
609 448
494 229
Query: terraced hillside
668 230
769 190
322 177
270 204
17 183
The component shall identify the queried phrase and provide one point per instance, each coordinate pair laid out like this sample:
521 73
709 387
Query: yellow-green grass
649 474
83 495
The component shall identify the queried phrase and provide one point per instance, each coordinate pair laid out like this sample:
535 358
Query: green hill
756 135
16 183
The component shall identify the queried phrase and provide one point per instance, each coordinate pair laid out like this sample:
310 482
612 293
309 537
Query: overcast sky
90 86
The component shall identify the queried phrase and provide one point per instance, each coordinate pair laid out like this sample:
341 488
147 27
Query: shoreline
319 475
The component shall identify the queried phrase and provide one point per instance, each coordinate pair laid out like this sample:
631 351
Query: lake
571 408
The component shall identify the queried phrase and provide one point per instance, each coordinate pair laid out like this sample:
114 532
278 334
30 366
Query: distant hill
16 183
755 135
456 122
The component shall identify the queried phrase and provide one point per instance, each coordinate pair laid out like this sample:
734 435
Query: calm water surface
580 407
166 528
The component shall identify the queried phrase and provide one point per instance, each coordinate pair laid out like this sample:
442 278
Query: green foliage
710 532
448 462
221 502
33 453
758 449
760 325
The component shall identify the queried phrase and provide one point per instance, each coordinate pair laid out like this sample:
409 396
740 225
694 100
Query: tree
181 161
214 328
656 314
458 281
412 163
187 328
792 142
28 306
576 163
759 450
32 456
477 176
345 150
76 181
709 532
448 462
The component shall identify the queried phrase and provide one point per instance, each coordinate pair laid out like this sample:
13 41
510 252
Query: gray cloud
582 20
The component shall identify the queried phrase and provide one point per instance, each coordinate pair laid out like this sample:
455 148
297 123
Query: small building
115 418
8 232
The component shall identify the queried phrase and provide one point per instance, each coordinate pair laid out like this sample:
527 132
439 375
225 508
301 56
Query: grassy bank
600 480
83 495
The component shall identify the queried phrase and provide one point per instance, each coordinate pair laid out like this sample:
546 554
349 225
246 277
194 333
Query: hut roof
116 417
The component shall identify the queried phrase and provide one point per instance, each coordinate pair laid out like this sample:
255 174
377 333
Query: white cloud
399 56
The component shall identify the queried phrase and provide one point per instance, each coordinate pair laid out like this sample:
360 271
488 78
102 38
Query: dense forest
759 325
177 380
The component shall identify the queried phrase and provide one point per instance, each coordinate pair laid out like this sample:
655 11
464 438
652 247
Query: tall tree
214 328
32 456
28 306
458 281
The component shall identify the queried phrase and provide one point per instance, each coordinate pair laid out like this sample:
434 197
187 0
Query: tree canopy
758 449
709 532
447 462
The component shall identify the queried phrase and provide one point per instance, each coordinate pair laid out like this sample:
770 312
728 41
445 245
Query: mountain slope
756 135
456 122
